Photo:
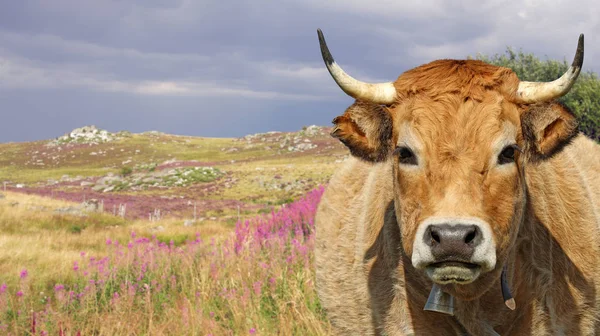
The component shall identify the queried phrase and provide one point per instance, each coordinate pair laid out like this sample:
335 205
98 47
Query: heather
257 280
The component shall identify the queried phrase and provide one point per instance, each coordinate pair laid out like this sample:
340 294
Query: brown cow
464 185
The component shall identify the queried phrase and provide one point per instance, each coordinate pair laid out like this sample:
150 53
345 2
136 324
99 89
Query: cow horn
532 92
380 93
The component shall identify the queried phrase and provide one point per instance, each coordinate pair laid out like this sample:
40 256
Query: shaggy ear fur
366 129
547 129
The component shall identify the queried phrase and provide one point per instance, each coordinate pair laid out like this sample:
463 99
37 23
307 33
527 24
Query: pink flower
19 293
23 274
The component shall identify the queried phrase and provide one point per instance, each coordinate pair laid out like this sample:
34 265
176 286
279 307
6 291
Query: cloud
20 72
401 33
252 58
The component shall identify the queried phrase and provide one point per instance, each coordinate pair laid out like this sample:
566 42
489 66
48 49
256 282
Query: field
155 234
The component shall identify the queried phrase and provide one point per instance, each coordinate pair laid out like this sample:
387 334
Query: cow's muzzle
454 250
452 247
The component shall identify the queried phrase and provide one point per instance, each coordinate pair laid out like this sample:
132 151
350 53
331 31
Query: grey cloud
170 64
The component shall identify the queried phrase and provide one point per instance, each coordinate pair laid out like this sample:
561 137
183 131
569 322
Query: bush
125 171
583 98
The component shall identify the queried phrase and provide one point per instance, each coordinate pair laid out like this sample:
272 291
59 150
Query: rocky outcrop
87 135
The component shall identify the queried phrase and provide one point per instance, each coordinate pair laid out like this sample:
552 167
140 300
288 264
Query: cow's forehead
454 122
470 78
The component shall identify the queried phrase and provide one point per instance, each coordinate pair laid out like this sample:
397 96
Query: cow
469 205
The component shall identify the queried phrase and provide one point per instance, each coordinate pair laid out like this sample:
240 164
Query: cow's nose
453 242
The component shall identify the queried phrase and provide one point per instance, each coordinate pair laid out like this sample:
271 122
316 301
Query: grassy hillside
224 178
97 234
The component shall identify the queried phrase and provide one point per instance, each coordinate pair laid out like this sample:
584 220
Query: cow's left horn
532 92
380 93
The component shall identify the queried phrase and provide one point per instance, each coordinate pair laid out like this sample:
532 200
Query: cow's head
458 134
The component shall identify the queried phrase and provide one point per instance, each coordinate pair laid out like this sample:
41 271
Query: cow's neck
552 265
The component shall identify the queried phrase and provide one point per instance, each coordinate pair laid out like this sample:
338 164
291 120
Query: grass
243 268
258 174
34 237
130 281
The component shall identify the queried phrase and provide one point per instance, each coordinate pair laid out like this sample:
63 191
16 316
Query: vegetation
583 98
126 171
256 280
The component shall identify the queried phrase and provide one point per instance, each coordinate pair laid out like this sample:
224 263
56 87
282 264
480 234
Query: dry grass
104 275
33 236
126 278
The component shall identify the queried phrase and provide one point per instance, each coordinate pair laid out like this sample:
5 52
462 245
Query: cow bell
440 301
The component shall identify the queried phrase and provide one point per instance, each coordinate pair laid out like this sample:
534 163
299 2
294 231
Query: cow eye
507 155
406 156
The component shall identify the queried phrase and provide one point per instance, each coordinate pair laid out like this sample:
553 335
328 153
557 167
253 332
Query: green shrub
125 171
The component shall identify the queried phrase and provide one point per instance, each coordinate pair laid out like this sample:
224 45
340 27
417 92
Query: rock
71 210
189 222
108 180
98 187
86 183
157 228
92 205
85 134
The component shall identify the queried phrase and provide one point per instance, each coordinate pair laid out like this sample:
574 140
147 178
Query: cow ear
366 129
547 129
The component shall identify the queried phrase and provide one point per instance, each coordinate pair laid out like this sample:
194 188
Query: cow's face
459 187
458 176
459 135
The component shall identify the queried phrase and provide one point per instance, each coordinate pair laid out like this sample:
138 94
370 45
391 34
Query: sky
228 68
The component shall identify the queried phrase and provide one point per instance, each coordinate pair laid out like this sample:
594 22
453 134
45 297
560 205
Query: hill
157 175
115 237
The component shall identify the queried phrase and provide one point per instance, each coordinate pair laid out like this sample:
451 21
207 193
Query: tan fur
544 210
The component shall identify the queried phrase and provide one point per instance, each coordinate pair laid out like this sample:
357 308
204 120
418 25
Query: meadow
243 267
256 280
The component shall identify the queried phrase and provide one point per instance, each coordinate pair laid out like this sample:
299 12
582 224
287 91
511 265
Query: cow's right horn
533 92
379 93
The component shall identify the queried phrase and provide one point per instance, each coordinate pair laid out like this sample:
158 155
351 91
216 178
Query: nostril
470 236
435 236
